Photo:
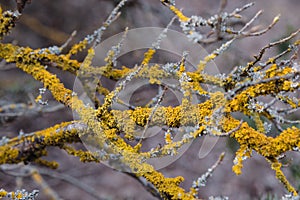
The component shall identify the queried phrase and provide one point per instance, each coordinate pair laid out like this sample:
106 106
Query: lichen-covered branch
113 132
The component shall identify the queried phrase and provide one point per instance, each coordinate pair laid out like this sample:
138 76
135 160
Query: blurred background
46 23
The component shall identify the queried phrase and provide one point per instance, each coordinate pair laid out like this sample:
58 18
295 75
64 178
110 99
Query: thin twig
262 51
73 181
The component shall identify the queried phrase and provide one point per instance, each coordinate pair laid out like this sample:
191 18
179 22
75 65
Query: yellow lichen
8 19
168 137
241 154
179 14
38 98
105 124
148 56
77 47
3 193
276 166
258 123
